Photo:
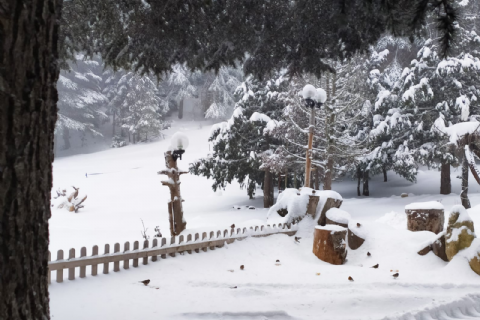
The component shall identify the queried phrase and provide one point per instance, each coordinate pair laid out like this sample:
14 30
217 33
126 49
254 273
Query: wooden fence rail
159 248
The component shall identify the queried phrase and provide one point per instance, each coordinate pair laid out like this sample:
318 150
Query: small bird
318 273
350 278
145 282
242 267
297 239
395 275
277 261
233 287
375 266
232 226
358 225
368 254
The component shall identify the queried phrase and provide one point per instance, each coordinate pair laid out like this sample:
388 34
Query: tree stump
425 216
329 244
356 236
329 203
175 210
312 204
338 217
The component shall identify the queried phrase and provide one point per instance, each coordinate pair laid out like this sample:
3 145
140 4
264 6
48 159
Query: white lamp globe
309 92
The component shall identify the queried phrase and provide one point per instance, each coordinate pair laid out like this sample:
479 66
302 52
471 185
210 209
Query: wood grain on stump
329 244
330 203
312 205
425 220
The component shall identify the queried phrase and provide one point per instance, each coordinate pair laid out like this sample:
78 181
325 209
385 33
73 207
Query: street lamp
314 98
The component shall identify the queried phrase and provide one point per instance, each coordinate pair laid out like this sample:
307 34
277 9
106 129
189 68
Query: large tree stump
338 217
175 210
329 203
329 244
425 216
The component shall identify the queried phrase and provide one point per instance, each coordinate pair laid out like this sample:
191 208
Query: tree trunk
384 174
327 181
133 137
366 192
66 138
267 189
359 177
445 183
28 96
464 194
113 124
317 178
180 110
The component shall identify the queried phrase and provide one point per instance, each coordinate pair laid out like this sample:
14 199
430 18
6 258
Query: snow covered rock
460 231
425 216
329 244
356 235
474 256
338 217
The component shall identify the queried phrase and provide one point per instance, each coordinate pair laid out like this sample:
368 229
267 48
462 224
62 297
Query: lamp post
314 98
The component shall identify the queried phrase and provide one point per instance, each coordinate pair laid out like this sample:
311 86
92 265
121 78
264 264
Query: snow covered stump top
425 216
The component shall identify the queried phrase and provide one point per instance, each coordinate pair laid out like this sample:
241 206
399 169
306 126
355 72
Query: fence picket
261 228
60 272
163 244
244 230
116 264
154 245
135 261
105 265
83 269
212 235
197 237
126 262
94 266
204 237
238 231
145 246
71 271
225 233
189 239
256 228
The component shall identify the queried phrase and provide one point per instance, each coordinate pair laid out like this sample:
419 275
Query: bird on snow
358 225
242 267
350 278
395 275
145 282
297 239
375 266
233 287
277 263
369 254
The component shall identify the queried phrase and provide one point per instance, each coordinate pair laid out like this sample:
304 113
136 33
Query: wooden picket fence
159 248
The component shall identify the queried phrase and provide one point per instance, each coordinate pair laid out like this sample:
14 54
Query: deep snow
123 187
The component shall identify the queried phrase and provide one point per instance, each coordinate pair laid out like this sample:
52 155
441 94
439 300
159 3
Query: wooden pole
308 163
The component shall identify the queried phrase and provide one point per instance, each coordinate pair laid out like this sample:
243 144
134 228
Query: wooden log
154 245
106 264
94 266
329 244
425 220
329 203
116 264
60 271
126 262
312 205
83 269
338 217
164 243
71 271
145 246
135 248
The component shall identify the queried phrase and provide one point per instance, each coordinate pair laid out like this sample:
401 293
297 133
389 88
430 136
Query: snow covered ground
123 187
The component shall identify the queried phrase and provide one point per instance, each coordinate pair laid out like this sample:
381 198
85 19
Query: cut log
425 216
438 248
356 235
338 217
312 204
329 244
329 203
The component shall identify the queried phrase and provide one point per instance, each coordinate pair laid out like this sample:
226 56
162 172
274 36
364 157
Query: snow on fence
159 248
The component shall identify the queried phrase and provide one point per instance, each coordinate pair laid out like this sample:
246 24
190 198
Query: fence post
126 262
60 271
94 266
145 246
116 264
49 272
135 247
105 264
71 271
154 245
83 269
163 244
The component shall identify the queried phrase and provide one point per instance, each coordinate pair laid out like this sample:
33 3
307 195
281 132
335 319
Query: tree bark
366 191
445 183
180 110
464 194
359 177
327 181
66 138
113 124
317 178
28 96
384 174
267 189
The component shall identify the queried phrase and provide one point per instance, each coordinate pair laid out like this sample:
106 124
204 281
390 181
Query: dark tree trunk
359 177
317 178
113 124
267 189
366 192
28 96
180 110
327 180
384 174
464 194
66 138
445 183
